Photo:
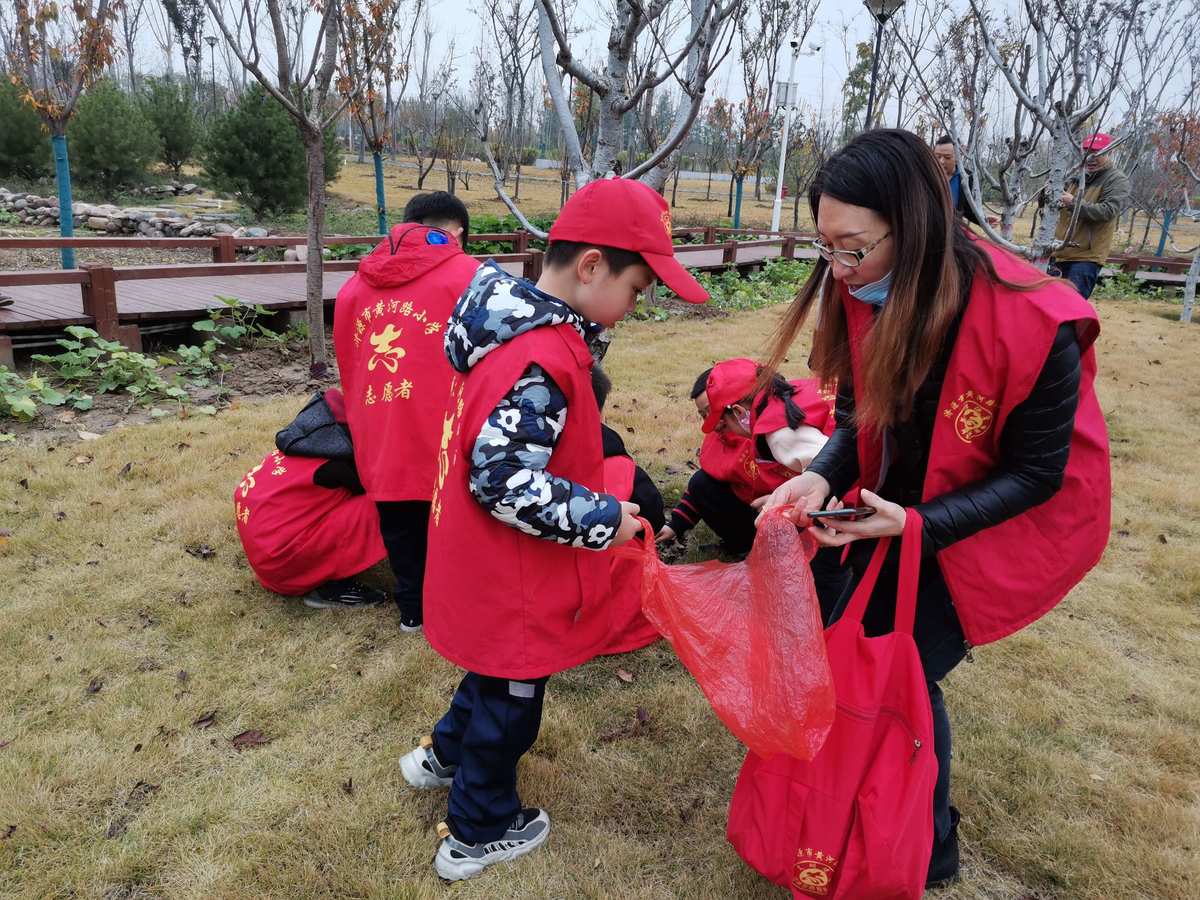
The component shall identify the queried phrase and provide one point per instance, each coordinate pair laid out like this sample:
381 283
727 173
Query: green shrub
255 151
168 105
111 141
24 145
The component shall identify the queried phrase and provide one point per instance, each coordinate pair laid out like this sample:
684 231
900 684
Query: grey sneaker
422 770
457 860
344 594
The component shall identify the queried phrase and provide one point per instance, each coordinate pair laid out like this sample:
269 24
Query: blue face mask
875 293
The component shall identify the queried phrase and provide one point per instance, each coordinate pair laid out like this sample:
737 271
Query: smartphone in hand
846 513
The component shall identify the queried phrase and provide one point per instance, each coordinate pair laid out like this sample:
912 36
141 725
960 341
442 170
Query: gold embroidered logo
666 221
814 871
972 414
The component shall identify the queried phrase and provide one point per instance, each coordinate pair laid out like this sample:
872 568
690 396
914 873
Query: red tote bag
857 820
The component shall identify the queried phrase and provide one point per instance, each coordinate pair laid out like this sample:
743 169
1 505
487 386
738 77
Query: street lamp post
777 207
881 11
788 98
211 40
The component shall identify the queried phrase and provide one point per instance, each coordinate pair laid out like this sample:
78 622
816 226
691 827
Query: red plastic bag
750 634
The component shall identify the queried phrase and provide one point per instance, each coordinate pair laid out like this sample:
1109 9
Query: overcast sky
820 72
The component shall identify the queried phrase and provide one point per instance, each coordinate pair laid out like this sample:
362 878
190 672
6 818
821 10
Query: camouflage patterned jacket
508 474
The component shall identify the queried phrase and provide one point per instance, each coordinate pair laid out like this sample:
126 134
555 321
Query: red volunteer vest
500 602
630 629
721 455
298 535
1005 577
394 371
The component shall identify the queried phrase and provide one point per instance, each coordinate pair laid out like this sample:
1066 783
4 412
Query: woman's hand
804 493
665 535
888 521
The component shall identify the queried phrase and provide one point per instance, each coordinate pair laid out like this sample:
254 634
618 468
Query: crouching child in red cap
755 439
515 587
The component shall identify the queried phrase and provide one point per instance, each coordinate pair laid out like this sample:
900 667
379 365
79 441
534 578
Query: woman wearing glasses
965 393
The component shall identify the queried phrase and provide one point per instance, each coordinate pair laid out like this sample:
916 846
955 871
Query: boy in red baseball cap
515 589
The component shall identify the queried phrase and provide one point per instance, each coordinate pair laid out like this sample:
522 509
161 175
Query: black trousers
940 644
404 526
733 522
491 723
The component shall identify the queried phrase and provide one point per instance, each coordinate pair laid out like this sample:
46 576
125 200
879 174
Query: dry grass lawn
1077 763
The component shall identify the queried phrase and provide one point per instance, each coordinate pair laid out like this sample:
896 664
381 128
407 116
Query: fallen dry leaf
95 684
8 832
640 725
247 739
125 470
1162 538
206 720
82 460
200 551
348 787
88 436
4 744
625 676
24 483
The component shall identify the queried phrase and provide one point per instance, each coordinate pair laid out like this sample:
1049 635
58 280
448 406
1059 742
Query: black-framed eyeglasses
851 259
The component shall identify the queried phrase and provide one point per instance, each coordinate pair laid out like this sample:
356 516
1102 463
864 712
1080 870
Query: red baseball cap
729 382
1097 142
628 215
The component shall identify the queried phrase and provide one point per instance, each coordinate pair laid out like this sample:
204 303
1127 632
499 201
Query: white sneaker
457 860
422 770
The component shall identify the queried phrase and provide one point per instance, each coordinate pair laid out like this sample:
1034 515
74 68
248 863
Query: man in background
1086 224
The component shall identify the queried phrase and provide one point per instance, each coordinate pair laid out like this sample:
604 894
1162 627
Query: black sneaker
344 594
457 860
943 865
411 618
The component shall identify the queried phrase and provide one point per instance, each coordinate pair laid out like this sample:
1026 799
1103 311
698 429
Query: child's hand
666 535
630 526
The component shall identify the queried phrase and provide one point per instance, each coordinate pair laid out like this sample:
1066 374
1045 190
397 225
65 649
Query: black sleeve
837 462
339 473
1034 447
964 205
647 496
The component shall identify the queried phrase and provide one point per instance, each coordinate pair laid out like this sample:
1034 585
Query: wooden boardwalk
148 298
118 302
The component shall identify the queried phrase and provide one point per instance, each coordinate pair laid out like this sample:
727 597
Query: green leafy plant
778 281
19 397
91 363
236 324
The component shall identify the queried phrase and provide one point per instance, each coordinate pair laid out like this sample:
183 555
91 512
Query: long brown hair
893 173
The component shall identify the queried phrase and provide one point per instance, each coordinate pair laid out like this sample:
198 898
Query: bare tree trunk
675 183
1189 288
796 208
517 192
1060 161
758 183
729 205
708 189
1145 235
314 303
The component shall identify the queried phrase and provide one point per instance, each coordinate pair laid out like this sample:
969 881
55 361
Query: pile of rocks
174 189
149 221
